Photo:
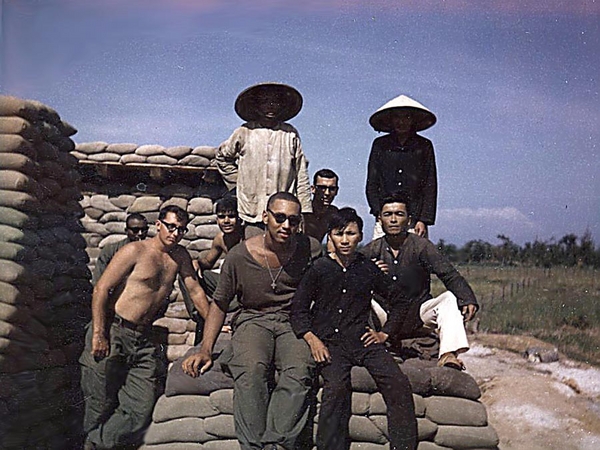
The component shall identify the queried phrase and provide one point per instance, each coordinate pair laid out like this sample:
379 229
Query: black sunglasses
136 230
171 227
281 218
229 216
322 187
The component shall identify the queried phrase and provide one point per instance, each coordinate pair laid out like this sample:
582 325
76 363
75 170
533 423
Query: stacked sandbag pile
126 153
44 279
107 202
198 413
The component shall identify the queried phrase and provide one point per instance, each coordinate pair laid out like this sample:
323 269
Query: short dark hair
325 173
344 216
181 213
396 197
135 216
282 196
226 204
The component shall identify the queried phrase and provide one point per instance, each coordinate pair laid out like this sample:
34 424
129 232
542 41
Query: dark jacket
408 169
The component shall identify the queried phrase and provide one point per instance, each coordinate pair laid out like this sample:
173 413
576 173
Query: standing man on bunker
403 162
264 155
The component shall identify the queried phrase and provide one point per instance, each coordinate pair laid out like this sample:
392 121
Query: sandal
451 360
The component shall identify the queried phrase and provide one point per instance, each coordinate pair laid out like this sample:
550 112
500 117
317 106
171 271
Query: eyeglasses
322 187
228 216
136 230
171 227
281 218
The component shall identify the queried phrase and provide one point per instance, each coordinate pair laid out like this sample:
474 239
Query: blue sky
514 84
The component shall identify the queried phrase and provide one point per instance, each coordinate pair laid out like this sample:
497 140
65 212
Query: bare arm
190 280
119 267
200 362
209 259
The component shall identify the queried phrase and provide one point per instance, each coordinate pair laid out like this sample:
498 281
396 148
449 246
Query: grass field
558 305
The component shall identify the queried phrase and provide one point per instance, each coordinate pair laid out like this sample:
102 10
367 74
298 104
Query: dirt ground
533 405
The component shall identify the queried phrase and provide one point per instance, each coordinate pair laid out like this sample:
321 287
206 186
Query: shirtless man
264 272
121 366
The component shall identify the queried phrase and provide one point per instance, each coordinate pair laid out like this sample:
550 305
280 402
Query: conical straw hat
381 120
246 103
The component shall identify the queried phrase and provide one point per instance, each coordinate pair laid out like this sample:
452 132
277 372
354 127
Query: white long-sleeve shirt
262 161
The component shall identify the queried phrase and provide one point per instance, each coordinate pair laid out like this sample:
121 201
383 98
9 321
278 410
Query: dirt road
535 406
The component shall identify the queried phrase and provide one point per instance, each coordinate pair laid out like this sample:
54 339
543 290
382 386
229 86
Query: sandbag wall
117 181
45 287
196 414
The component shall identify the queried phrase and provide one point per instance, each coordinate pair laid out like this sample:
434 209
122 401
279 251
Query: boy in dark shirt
337 331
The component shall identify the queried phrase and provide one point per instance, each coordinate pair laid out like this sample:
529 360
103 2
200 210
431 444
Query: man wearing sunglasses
230 234
264 272
136 229
121 367
324 190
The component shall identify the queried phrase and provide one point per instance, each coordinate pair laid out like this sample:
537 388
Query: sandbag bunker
197 413
60 203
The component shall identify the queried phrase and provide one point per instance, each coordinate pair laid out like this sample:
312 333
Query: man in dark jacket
403 161
410 260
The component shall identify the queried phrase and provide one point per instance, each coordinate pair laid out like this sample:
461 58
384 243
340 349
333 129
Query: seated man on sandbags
331 311
121 366
230 234
136 229
263 272
411 259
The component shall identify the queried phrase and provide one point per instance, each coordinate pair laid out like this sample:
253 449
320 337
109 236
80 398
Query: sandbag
150 150
16 252
361 403
104 157
133 158
13 180
13 273
221 426
90 148
453 383
18 125
180 406
145 204
13 294
178 152
19 162
18 200
161 159
16 219
456 411
466 437
195 161
121 149
188 429
222 400
362 429
205 151
14 106
13 143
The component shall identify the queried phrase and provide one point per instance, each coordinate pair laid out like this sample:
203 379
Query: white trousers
441 314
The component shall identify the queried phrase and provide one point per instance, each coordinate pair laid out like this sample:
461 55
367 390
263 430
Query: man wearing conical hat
403 162
265 155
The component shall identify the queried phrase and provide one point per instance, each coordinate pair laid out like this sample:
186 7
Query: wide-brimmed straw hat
381 120
247 102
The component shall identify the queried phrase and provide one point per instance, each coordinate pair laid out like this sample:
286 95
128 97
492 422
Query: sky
514 85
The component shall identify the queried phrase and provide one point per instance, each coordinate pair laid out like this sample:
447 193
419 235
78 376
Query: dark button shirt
408 169
342 300
417 259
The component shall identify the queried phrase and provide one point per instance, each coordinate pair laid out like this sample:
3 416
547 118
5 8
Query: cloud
463 224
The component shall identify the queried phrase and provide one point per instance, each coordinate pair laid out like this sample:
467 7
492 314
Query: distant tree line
568 251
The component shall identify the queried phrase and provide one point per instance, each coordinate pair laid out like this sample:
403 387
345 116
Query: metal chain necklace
273 278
